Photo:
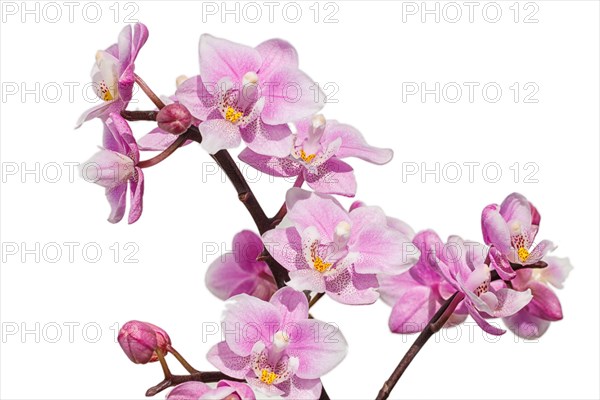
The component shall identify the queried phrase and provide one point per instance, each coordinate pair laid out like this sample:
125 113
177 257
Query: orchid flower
239 271
533 320
319 146
113 73
418 293
246 93
511 229
275 347
329 250
225 390
462 265
115 166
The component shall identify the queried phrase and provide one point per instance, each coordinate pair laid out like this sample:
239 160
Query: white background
368 53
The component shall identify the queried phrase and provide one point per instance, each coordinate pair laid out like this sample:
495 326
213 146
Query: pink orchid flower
239 272
319 146
248 93
417 294
462 265
329 250
113 73
511 229
276 347
115 166
225 390
533 320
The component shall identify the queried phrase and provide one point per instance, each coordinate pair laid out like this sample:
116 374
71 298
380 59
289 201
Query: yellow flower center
523 254
320 265
232 115
307 158
267 376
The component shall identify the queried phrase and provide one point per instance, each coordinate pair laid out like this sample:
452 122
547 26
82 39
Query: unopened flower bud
163 341
140 341
174 118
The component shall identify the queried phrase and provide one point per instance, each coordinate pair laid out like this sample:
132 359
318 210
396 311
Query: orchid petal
556 272
275 166
272 140
289 97
137 193
495 229
319 345
545 304
354 144
292 304
219 134
220 58
333 177
276 54
116 198
228 362
254 317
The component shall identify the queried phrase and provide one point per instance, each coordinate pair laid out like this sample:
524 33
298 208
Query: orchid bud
140 340
174 118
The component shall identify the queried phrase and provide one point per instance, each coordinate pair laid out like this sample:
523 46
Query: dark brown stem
155 99
246 196
315 299
228 165
436 323
324 395
174 380
139 115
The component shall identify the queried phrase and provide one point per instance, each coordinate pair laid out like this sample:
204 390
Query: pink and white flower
115 166
275 347
319 147
329 250
244 93
113 73
511 229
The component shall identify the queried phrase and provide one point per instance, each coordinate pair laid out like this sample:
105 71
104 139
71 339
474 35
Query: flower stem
163 364
435 324
324 395
182 360
246 196
174 380
139 115
315 299
144 86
